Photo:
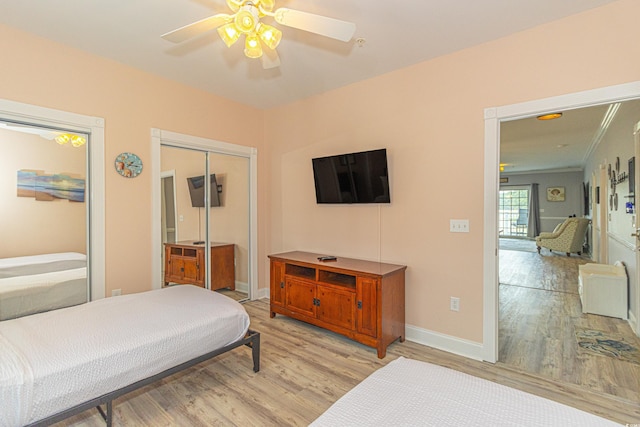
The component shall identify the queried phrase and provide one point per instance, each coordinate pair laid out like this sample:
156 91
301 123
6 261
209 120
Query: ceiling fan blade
197 28
323 25
270 59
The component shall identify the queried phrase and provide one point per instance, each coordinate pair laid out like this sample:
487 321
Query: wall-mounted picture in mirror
555 194
48 187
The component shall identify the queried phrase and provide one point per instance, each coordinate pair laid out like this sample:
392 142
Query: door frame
171 174
493 116
159 137
94 127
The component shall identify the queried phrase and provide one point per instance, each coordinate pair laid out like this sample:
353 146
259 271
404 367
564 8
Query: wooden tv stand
362 300
184 264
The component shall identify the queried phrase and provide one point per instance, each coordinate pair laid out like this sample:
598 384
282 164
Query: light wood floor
304 370
234 295
539 311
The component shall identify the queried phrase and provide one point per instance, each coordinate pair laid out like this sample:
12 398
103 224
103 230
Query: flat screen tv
352 178
196 191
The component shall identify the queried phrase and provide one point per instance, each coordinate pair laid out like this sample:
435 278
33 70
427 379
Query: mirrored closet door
205 220
43 219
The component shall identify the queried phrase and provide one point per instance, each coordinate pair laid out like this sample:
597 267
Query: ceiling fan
246 20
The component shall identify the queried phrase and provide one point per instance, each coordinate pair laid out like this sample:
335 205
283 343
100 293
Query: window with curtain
513 212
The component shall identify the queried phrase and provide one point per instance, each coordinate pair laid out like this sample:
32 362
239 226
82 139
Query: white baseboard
470 349
263 293
633 322
242 287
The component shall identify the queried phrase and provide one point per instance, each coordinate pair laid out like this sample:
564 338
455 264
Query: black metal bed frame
252 339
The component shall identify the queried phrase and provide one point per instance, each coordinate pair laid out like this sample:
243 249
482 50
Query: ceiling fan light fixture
269 35
234 4
267 5
229 34
246 19
550 116
252 47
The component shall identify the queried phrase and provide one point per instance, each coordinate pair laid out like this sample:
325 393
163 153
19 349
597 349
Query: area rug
523 245
607 344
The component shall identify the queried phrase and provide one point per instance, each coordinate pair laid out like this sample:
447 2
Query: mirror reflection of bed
43 220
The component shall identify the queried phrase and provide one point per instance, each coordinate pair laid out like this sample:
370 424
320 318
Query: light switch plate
459 225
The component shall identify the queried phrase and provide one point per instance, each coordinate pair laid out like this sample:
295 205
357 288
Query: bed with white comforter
408 392
37 283
56 360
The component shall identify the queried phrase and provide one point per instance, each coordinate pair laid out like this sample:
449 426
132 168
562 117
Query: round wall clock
128 165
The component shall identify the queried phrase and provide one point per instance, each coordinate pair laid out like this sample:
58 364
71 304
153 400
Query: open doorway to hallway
540 319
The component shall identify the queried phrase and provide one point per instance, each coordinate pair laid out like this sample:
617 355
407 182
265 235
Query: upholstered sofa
567 237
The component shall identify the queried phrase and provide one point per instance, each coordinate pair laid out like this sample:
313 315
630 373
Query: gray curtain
533 228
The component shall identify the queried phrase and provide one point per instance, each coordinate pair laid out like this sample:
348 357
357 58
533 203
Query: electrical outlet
459 225
116 292
455 304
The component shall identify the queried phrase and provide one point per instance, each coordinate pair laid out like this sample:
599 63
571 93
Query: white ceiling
397 33
531 145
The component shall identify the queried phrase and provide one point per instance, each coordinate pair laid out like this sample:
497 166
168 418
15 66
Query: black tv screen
196 191
352 178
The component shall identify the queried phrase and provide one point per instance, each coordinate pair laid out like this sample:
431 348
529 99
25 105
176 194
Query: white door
635 293
595 218
604 216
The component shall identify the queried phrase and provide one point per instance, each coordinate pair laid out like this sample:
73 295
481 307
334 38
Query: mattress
37 283
53 361
39 264
23 295
412 393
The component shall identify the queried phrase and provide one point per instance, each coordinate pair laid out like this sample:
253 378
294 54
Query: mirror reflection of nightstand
184 264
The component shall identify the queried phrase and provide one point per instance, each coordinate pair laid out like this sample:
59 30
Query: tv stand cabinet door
367 303
191 270
277 284
336 307
300 296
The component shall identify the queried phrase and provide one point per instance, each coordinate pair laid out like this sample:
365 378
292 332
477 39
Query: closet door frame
94 127
161 137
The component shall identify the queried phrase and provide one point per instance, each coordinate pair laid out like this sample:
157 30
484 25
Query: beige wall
430 117
131 102
29 226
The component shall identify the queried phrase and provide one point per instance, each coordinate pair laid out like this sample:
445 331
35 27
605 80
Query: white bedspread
52 361
411 393
41 259
37 283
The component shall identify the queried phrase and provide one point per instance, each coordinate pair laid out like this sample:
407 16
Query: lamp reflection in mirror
75 140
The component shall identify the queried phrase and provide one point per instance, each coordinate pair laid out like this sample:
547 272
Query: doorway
493 119
214 187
